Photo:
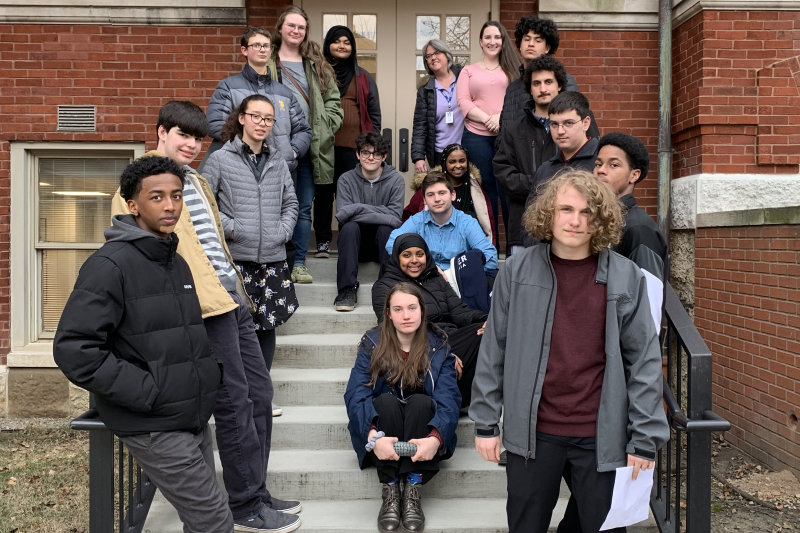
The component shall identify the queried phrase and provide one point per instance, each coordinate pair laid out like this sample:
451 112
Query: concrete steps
323 293
316 320
331 350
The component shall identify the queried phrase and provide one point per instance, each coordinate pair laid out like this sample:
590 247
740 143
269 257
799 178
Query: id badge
448 117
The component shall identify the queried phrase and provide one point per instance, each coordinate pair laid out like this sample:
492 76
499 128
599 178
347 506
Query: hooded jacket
642 242
379 201
132 334
440 384
480 200
325 117
443 307
512 362
524 145
423 136
516 98
291 130
258 216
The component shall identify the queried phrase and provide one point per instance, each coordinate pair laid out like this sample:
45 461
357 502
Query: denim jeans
481 152
304 188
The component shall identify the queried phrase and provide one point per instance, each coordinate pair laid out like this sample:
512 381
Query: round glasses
258 119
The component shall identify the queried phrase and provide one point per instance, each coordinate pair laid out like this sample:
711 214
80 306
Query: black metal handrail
695 419
131 511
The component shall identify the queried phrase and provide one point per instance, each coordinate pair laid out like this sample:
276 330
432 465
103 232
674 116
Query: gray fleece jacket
258 217
513 360
379 201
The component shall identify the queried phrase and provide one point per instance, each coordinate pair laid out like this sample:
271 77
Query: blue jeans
481 152
304 188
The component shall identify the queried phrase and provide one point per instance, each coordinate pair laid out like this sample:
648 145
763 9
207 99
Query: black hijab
345 70
405 241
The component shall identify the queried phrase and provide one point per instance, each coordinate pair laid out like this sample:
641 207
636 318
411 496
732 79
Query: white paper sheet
655 293
631 500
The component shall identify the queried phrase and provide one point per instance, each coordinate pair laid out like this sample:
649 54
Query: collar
429 218
629 201
566 162
251 154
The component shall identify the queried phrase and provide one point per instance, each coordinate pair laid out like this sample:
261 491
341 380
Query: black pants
533 489
266 340
359 243
405 421
344 160
465 343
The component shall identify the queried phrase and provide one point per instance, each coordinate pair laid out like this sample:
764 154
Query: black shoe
347 299
389 515
413 518
503 458
284 506
323 250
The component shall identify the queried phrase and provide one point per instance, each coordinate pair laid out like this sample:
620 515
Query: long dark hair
232 127
308 48
509 57
387 358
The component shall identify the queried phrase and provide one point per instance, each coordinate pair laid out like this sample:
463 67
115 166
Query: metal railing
133 492
688 358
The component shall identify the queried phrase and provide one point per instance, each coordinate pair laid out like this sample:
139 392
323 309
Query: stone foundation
681 264
38 392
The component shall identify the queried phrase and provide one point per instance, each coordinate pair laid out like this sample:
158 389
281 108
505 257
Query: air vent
76 118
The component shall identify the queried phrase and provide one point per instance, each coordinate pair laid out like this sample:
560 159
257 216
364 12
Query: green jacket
325 120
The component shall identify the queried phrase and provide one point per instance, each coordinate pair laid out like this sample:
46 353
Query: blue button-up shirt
459 234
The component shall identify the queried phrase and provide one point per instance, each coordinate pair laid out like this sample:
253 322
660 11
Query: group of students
174 318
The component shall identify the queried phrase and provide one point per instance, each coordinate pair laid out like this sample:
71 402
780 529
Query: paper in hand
630 503
655 293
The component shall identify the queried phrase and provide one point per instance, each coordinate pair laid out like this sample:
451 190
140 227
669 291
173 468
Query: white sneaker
276 411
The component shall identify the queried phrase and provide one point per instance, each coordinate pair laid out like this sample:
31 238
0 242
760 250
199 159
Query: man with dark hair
535 37
622 162
369 203
132 334
243 411
579 392
526 142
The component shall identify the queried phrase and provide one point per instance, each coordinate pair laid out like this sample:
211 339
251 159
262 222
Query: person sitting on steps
403 388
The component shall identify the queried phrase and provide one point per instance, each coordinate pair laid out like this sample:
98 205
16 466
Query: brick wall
511 11
716 59
747 308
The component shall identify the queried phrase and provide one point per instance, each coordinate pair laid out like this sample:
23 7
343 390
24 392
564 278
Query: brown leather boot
389 515
413 517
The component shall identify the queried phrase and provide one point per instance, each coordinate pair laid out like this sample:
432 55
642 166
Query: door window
455 32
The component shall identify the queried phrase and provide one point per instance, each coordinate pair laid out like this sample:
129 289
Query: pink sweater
484 90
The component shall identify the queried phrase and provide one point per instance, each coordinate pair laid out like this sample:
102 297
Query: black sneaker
284 506
323 250
267 521
347 299
389 515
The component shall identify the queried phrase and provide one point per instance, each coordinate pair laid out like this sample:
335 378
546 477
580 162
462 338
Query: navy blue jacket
440 385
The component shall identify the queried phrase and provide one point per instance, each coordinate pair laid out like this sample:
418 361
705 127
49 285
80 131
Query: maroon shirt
576 365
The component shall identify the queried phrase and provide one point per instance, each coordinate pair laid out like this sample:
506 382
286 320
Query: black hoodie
443 306
132 333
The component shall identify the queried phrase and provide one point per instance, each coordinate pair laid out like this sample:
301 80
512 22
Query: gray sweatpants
181 465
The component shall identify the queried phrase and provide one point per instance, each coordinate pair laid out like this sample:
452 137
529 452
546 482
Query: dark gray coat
423 136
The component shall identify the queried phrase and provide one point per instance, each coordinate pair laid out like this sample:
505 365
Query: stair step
328 350
352 516
325 269
323 293
309 386
310 320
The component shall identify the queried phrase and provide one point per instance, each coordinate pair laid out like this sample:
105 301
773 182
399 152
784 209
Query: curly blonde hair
605 210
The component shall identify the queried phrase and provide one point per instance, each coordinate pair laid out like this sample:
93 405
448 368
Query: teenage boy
535 38
622 162
243 412
526 142
369 203
132 334
580 392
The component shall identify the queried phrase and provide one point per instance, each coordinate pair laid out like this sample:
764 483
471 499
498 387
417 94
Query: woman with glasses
258 211
481 90
437 119
362 114
298 63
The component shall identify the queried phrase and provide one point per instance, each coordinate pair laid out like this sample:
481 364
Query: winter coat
367 91
326 118
512 361
642 241
440 385
291 130
379 201
443 307
258 217
423 136
483 208
524 144
517 97
132 334
214 298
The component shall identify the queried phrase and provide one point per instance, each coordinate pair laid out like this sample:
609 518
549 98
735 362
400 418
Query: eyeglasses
260 46
295 27
369 155
568 125
258 119
436 53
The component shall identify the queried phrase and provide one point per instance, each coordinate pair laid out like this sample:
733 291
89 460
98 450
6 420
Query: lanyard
448 95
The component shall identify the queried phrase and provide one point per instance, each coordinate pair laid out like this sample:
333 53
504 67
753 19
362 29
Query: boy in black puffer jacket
132 334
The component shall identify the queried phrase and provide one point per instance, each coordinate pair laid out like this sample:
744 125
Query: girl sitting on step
403 388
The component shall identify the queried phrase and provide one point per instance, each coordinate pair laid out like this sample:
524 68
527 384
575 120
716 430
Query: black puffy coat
132 333
423 136
443 306
516 98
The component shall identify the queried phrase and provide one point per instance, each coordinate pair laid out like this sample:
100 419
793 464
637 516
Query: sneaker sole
277 412
322 255
298 280
284 529
292 510
345 307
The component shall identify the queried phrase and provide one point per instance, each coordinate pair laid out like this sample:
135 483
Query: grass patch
44 481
